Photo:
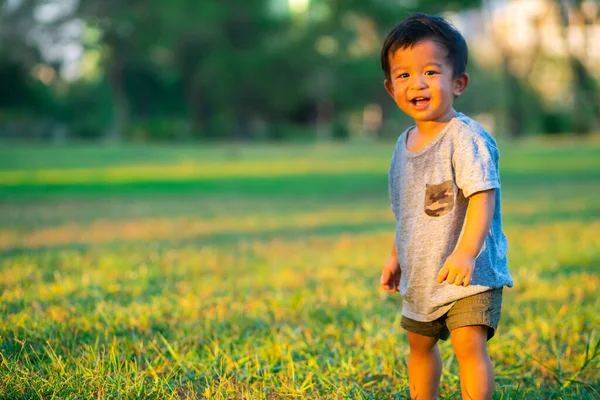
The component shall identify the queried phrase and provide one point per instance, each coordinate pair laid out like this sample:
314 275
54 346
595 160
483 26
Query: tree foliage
205 69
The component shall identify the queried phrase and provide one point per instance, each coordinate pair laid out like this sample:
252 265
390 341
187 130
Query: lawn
252 272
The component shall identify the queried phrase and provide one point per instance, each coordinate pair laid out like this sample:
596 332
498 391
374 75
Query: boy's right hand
390 275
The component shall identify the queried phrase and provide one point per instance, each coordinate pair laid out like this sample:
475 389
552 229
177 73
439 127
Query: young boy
449 257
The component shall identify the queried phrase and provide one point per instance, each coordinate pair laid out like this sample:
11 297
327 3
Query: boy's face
422 82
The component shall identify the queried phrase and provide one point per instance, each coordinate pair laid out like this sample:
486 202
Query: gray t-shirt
429 191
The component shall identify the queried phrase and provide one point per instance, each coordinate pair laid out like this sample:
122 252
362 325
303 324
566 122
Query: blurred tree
219 70
586 100
16 20
22 95
239 63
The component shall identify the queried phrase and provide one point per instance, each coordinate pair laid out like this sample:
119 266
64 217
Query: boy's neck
432 128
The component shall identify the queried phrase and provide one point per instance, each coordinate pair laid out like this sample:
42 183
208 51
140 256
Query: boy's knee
421 344
469 341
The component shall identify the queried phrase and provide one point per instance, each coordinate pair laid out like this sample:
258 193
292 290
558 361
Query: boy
449 257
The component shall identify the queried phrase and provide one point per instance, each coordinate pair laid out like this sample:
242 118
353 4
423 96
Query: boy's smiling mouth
420 102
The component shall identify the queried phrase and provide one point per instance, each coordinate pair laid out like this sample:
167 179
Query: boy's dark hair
418 27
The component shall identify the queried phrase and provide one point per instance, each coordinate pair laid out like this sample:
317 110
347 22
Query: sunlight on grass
280 313
197 296
179 228
187 171
318 159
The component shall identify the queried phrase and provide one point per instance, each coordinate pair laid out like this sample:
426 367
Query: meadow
252 272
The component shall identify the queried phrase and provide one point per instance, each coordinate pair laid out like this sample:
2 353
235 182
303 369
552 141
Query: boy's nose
417 83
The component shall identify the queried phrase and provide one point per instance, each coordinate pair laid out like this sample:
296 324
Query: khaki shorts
480 309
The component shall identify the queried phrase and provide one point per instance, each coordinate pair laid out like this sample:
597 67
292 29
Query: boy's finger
388 288
384 279
459 279
467 280
442 274
451 277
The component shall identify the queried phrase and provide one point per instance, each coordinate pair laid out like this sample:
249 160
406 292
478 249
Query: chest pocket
439 199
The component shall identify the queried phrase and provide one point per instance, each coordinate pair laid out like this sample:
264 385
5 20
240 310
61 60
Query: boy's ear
388 87
460 84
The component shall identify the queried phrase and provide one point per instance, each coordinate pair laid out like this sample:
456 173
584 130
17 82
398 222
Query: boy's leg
424 367
472 321
476 370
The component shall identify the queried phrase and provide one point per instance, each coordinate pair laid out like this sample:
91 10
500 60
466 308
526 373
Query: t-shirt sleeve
475 163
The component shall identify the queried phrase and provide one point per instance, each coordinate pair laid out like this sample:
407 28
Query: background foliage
248 69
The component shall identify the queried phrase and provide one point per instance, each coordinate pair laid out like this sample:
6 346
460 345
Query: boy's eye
430 72
403 75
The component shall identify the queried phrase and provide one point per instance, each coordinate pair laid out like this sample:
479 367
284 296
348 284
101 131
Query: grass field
252 272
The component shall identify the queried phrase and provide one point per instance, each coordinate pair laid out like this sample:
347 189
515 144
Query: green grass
252 272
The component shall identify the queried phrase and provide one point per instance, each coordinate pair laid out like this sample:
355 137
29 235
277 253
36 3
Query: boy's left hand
457 269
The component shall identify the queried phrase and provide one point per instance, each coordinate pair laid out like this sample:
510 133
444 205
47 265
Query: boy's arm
390 274
459 266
